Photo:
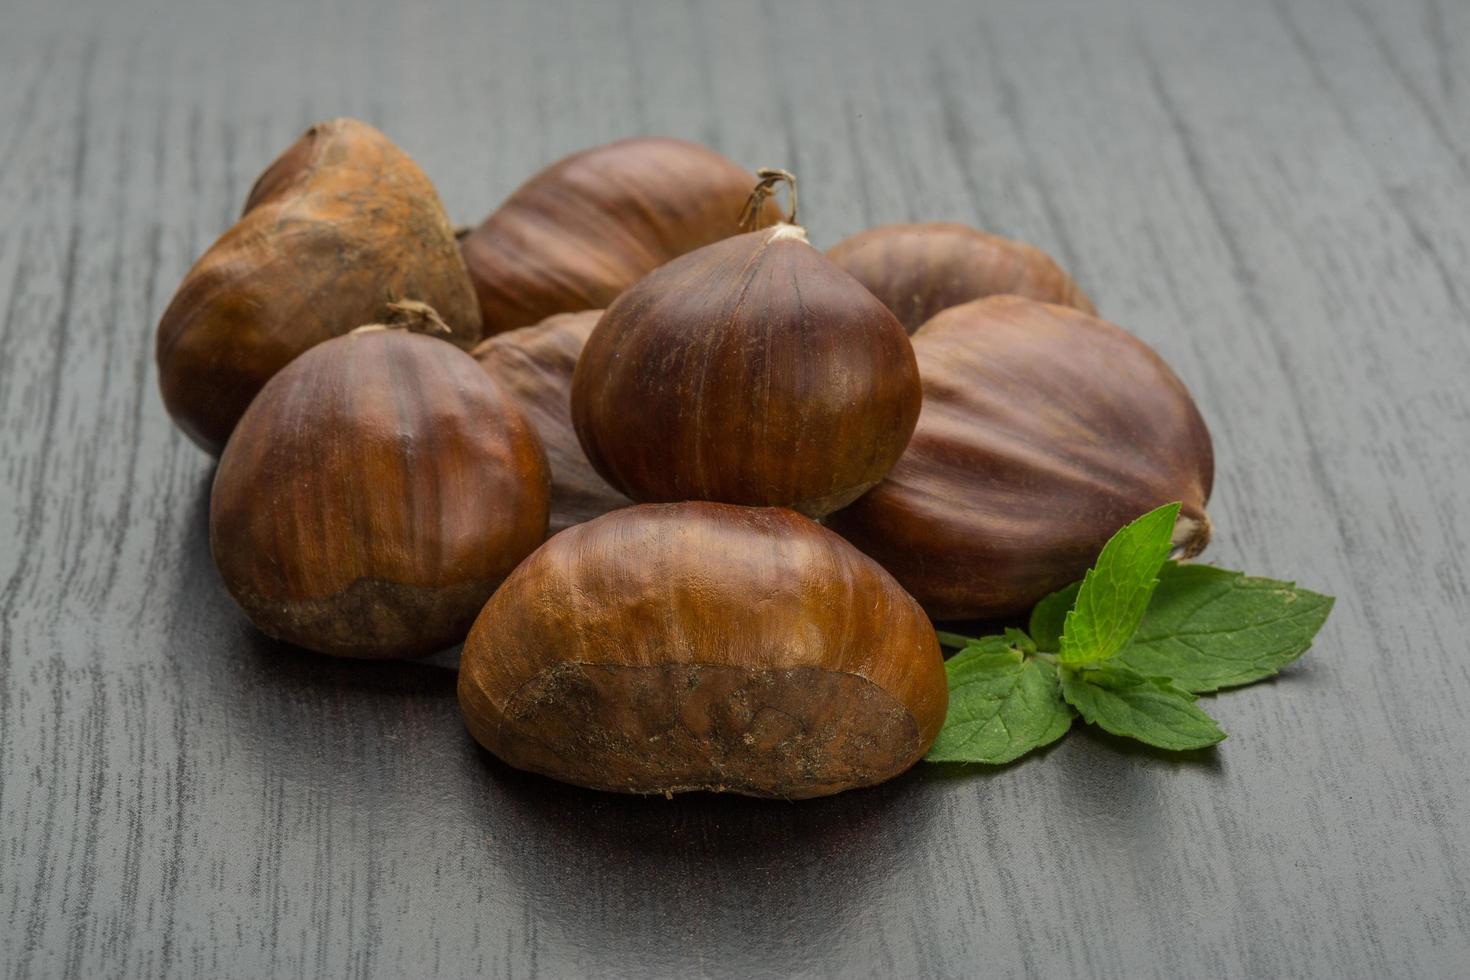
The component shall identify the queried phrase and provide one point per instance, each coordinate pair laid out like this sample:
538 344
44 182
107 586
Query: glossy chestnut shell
535 365
341 225
697 646
374 495
1044 430
751 371
587 227
920 269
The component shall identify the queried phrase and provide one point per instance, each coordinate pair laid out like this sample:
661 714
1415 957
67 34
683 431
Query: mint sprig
1128 648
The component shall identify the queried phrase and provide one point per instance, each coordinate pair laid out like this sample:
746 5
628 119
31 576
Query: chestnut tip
1191 536
786 230
411 315
765 188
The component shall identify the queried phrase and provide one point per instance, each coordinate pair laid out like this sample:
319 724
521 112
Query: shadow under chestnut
706 871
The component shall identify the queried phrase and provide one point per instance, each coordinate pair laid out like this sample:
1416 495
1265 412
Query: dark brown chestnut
374 495
1044 430
535 365
341 225
674 647
581 231
751 371
919 269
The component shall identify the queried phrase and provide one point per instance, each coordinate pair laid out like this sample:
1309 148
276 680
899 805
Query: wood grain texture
1273 194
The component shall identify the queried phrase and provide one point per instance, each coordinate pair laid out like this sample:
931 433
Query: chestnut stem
764 188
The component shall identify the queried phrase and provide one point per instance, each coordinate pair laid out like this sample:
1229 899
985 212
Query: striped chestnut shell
752 371
917 270
535 364
587 227
1044 430
374 495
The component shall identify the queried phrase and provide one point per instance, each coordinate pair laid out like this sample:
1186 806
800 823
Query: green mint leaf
1208 628
1002 704
1124 702
1116 590
1049 616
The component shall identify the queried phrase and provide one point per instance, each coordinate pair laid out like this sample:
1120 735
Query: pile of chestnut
687 488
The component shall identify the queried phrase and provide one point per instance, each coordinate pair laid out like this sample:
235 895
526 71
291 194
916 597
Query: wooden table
1274 194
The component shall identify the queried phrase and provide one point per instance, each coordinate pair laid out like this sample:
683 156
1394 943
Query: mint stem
953 640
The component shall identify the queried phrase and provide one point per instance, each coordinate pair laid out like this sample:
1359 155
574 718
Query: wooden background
1275 194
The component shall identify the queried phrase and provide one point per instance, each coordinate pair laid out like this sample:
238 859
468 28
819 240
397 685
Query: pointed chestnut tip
1191 535
786 230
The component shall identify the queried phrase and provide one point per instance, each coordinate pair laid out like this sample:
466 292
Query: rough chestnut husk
752 371
374 495
535 365
586 228
919 269
1044 430
674 647
340 226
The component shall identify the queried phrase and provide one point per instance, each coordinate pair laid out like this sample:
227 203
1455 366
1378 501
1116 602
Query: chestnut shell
751 371
535 365
1044 430
920 269
342 224
374 495
587 227
665 648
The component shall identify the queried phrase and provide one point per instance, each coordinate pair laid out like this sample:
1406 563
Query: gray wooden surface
1275 194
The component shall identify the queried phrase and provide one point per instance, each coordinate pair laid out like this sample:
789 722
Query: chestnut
666 648
374 495
752 371
342 224
535 365
919 269
587 227
1044 430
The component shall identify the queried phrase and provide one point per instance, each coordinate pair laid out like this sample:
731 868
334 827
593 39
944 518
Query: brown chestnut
751 371
587 227
666 648
535 365
1044 430
919 269
374 495
339 226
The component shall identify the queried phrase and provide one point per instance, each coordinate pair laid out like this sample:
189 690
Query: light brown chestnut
582 230
752 371
374 495
665 648
339 226
1044 430
535 365
919 269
